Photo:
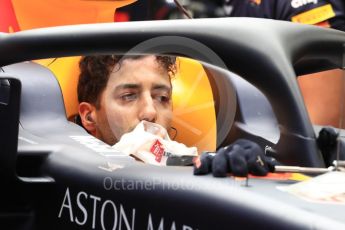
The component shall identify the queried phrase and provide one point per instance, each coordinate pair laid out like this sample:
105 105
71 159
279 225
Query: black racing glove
240 158
327 142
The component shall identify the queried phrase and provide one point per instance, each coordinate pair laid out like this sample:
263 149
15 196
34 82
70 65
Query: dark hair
95 71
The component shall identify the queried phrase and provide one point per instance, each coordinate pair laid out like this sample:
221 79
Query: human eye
163 98
127 97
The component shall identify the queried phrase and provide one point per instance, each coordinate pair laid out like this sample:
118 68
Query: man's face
140 89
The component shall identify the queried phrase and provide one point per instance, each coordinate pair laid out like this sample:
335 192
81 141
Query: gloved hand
240 158
327 142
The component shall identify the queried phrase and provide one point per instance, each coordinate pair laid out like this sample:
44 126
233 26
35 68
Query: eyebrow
138 86
127 86
161 87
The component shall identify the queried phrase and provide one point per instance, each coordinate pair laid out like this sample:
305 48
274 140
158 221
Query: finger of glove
327 138
203 165
249 147
237 161
256 160
244 143
220 166
271 163
255 157
258 166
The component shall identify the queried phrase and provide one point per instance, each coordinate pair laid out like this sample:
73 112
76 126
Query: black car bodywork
53 173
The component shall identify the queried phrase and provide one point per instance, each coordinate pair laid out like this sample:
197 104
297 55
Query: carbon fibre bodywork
57 176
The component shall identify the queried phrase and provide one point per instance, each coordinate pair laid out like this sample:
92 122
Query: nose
147 110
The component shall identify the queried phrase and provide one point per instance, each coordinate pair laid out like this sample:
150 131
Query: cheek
121 120
165 117
116 117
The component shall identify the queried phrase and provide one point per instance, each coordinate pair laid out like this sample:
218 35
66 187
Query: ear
87 115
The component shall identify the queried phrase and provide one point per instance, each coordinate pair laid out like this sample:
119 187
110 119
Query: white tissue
150 143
